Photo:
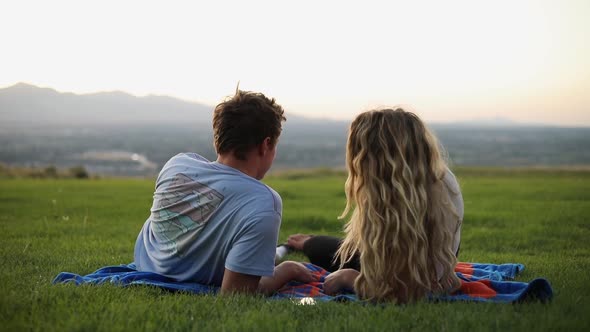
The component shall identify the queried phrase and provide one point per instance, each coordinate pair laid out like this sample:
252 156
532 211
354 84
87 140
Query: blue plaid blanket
479 283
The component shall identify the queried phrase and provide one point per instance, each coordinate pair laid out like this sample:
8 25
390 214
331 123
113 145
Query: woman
404 211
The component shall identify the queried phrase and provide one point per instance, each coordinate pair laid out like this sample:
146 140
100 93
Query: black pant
321 251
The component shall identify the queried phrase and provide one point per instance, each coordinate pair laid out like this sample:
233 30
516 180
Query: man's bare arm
234 282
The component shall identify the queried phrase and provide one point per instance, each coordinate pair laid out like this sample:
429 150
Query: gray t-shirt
457 201
454 223
206 217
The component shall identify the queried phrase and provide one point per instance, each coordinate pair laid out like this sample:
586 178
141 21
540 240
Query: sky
449 61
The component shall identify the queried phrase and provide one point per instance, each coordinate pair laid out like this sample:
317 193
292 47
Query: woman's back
404 207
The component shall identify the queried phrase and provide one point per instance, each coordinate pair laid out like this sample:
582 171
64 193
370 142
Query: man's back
206 217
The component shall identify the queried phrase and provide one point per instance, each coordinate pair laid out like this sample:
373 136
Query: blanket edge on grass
479 283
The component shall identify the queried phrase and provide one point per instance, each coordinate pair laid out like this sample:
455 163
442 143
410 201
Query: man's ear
265 146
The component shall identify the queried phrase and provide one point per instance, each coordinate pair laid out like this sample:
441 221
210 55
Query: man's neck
245 166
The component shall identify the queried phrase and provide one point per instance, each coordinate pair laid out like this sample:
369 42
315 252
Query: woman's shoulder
451 181
454 189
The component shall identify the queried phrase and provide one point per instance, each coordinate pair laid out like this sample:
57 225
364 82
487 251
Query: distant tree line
49 172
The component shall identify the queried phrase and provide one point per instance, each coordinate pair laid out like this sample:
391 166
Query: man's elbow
239 283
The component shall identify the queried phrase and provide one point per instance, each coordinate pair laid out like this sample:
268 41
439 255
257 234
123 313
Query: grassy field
536 217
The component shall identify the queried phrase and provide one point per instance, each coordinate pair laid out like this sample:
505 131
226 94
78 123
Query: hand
339 280
285 272
296 241
292 270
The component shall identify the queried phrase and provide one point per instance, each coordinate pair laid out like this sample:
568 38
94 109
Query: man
215 223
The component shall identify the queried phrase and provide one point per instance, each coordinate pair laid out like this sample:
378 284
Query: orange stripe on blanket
315 289
315 286
480 288
464 268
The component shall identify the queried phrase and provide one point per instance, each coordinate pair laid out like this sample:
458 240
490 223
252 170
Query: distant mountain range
26 104
23 104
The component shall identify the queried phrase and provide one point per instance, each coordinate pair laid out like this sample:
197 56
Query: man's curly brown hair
243 121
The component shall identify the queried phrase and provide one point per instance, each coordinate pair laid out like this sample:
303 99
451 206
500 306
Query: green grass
539 218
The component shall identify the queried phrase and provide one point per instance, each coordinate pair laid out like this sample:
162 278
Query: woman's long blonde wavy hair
399 207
